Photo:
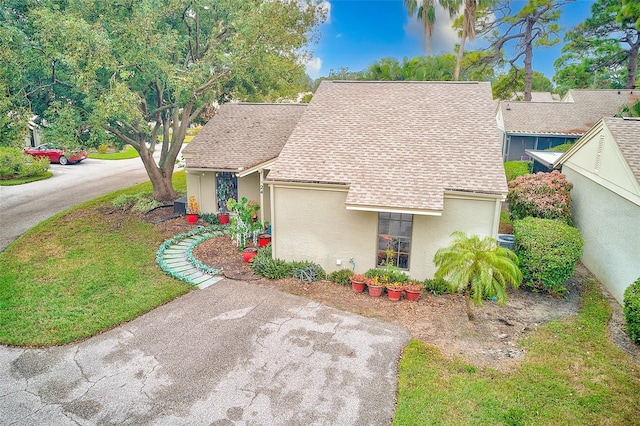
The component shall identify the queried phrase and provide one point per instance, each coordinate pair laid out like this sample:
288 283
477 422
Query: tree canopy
143 70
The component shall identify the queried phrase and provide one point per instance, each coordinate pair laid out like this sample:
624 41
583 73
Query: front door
226 187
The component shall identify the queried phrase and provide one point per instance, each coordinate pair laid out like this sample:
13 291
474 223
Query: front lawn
80 273
127 153
572 374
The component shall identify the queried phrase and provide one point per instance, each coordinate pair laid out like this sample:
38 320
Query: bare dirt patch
489 341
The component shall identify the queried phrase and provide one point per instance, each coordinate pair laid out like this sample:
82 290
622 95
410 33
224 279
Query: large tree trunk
528 60
632 65
160 176
456 72
467 298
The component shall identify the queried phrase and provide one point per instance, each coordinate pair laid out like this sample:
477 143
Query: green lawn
572 374
20 181
127 153
81 273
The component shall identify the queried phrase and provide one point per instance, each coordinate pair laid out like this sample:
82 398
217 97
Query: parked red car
57 155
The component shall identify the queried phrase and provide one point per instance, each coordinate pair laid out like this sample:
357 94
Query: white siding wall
610 227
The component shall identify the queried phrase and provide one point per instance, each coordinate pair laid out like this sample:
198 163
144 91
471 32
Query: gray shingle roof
242 135
627 135
578 112
397 144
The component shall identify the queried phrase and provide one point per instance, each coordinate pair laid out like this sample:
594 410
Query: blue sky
359 32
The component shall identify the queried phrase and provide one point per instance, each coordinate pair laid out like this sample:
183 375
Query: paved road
24 206
234 353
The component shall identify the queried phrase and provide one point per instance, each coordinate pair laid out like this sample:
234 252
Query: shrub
340 277
103 148
561 148
264 265
388 274
513 169
307 271
210 218
631 308
138 202
543 195
437 286
548 251
15 164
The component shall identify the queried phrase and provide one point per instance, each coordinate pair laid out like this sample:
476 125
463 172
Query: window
227 187
394 239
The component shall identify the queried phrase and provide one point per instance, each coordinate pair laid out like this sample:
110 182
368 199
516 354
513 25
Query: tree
609 41
479 267
535 25
426 12
506 85
468 28
144 70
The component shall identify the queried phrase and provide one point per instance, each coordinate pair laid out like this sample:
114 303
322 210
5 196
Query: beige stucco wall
202 186
314 224
610 227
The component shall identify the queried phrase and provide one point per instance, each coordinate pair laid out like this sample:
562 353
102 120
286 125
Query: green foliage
307 271
560 148
243 226
103 148
437 286
602 51
507 85
631 307
544 195
513 169
479 267
340 276
137 202
210 218
14 164
548 251
387 275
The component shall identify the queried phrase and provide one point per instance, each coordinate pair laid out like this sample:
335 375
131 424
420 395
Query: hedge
631 308
543 195
548 251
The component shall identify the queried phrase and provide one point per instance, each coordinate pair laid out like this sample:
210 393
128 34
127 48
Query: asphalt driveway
234 353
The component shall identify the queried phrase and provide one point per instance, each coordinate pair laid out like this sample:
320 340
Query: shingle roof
627 135
578 112
397 144
242 135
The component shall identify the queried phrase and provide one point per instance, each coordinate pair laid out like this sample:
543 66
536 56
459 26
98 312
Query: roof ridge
404 81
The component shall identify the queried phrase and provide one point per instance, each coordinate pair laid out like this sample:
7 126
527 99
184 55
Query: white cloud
443 39
313 67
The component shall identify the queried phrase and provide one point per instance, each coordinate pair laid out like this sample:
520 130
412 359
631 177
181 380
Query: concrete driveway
234 353
24 206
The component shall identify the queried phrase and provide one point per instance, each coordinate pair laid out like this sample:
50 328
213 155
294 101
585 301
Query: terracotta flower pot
249 253
357 286
412 295
264 240
192 218
394 294
223 218
375 290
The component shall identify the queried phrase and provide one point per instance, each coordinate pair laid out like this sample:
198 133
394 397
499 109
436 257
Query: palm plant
479 267
426 11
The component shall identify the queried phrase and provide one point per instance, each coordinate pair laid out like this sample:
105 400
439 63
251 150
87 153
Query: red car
57 155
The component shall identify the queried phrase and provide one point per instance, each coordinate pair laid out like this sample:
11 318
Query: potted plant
264 239
394 290
375 287
192 210
358 282
413 290
249 253
223 217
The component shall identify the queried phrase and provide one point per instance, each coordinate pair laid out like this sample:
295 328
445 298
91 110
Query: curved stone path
176 259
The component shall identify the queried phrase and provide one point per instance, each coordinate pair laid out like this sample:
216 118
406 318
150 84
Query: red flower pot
223 218
394 294
357 286
375 290
249 253
264 240
192 218
412 295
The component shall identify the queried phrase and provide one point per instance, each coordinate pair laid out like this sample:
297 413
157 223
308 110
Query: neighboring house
542 125
604 168
386 171
231 156
537 97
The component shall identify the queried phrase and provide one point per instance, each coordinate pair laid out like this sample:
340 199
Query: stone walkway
176 259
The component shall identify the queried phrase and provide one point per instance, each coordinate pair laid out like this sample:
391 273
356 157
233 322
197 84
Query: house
542 125
378 172
604 167
232 154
